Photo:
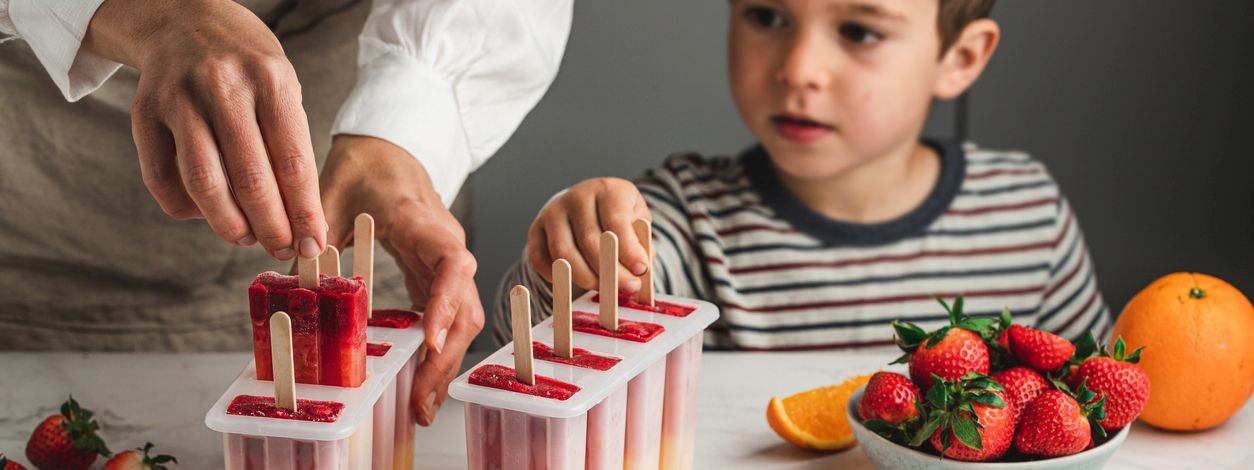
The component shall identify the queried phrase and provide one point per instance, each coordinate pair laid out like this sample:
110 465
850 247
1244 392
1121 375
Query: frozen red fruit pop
502 377
638 331
328 327
306 410
581 357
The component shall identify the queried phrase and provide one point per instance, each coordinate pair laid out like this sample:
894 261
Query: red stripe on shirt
1003 207
889 258
880 300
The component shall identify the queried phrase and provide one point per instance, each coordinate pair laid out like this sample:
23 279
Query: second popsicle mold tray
372 431
641 413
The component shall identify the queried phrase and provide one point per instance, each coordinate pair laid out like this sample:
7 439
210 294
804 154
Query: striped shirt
995 229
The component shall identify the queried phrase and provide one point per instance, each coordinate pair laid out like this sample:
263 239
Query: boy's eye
764 17
859 34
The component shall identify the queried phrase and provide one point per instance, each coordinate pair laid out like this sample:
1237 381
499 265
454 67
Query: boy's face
826 85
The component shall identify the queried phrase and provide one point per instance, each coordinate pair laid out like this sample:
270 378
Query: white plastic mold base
620 414
356 440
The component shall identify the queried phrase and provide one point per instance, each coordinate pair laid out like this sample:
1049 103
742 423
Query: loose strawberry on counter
6 464
950 352
138 459
67 441
968 419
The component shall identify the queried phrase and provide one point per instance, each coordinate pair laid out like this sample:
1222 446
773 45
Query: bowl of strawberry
987 393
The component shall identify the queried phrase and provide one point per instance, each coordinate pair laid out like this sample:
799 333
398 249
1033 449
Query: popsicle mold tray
371 432
641 413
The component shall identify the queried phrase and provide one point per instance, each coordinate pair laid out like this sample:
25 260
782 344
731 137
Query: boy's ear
966 58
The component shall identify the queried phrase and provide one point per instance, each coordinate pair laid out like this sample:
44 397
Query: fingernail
248 240
429 406
309 248
639 269
439 340
285 254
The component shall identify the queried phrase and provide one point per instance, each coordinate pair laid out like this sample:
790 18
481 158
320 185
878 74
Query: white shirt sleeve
55 30
450 80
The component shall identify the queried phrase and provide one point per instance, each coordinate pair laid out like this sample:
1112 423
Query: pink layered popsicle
679 413
644 418
276 453
607 432
502 377
506 439
402 442
328 327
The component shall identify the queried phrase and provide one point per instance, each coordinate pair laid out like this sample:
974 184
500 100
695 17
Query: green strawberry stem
155 462
910 337
950 405
82 429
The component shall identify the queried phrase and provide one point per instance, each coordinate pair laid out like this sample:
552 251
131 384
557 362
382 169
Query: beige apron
87 258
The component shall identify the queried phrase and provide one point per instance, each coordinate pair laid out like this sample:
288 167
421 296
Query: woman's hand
217 120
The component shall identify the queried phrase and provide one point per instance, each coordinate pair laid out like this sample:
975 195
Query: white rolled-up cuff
405 102
55 31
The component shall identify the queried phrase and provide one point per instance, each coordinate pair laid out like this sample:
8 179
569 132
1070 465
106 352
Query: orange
815 419
1198 334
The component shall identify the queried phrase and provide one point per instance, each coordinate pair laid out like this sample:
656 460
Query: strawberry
6 464
67 441
1038 349
890 406
1022 385
889 397
1056 424
138 459
973 411
1117 379
950 352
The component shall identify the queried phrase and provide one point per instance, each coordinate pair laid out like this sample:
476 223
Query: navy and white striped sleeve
1072 304
675 258
521 273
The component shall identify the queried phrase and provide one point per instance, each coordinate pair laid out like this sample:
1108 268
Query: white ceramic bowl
886 454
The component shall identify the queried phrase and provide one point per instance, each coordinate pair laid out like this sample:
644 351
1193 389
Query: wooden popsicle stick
520 317
609 281
644 232
562 346
329 262
281 360
307 269
363 256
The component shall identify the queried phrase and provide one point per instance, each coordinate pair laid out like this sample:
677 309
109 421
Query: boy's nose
802 67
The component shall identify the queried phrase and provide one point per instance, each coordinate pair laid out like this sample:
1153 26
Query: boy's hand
570 227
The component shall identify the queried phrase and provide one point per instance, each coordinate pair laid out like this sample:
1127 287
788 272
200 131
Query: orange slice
815 419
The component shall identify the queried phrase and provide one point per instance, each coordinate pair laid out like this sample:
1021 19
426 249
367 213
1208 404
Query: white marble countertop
163 398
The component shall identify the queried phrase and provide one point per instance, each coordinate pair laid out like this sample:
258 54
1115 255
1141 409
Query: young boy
841 219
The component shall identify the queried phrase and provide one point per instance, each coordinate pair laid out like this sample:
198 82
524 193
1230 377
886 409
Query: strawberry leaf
1005 318
927 430
989 399
938 336
956 315
964 429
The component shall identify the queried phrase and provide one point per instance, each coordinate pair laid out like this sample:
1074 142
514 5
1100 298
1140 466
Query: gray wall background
1141 110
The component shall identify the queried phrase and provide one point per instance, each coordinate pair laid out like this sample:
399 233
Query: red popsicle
580 358
306 410
502 377
638 331
328 327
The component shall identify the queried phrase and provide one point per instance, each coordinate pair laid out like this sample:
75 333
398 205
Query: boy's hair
955 15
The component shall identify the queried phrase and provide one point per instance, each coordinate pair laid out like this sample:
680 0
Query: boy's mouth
799 128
